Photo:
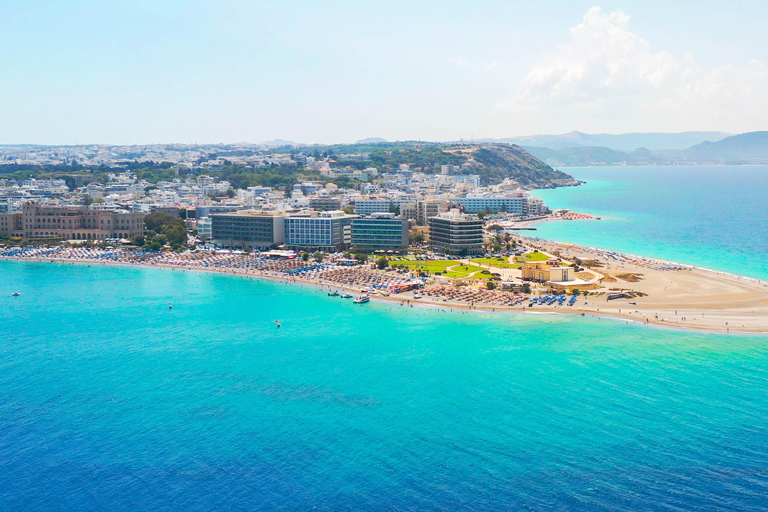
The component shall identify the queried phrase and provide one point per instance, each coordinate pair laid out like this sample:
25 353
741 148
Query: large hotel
327 231
71 223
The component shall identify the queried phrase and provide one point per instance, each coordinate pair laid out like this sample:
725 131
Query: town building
456 233
259 229
553 273
380 231
518 203
324 203
425 210
325 231
369 206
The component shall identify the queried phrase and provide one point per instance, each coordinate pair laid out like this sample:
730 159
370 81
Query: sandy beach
690 298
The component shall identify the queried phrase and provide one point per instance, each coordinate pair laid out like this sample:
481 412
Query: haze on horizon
140 72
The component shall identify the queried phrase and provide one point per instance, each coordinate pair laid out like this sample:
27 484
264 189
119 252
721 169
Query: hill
496 163
749 147
493 163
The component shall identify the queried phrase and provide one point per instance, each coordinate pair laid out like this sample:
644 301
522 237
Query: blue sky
79 72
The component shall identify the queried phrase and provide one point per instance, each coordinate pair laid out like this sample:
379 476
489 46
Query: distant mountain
749 147
737 149
280 142
372 140
619 142
585 156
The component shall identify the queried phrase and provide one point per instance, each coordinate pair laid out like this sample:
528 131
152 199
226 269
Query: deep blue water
710 216
109 400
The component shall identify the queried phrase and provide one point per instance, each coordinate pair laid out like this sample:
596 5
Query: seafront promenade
657 293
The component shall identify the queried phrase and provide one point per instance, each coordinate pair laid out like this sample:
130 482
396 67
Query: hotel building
71 222
324 231
248 227
380 231
519 203
456 233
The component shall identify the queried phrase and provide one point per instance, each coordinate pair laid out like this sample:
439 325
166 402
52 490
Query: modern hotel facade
380 231
324 231
456 233
258 229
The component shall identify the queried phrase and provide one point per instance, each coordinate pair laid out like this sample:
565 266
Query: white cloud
609 78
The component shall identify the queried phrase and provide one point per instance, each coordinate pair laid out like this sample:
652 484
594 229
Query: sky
140 72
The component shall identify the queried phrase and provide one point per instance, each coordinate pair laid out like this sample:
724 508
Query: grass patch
531 256
495 262
441 267
429 266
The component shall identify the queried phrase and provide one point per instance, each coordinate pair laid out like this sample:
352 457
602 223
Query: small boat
333 294
416 296
15 294
362 299
346 296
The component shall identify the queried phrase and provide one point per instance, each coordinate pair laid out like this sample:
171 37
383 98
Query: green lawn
495 262
441 266
532 256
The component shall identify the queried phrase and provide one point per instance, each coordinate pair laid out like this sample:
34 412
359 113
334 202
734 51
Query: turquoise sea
111 400
710 216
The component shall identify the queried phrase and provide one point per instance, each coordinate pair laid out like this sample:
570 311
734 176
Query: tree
416 236
318 256
175 234
382 263
156 221
361 258
305 256
575 292
490 285
526 288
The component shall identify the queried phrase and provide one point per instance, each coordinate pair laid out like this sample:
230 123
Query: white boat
346 296
15 294
333 294
416 296
362 299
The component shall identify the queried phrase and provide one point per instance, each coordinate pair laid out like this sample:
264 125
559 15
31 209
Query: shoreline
406 299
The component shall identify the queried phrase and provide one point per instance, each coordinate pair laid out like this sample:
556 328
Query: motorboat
333 294
15 294
346 296
416 296
362 299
